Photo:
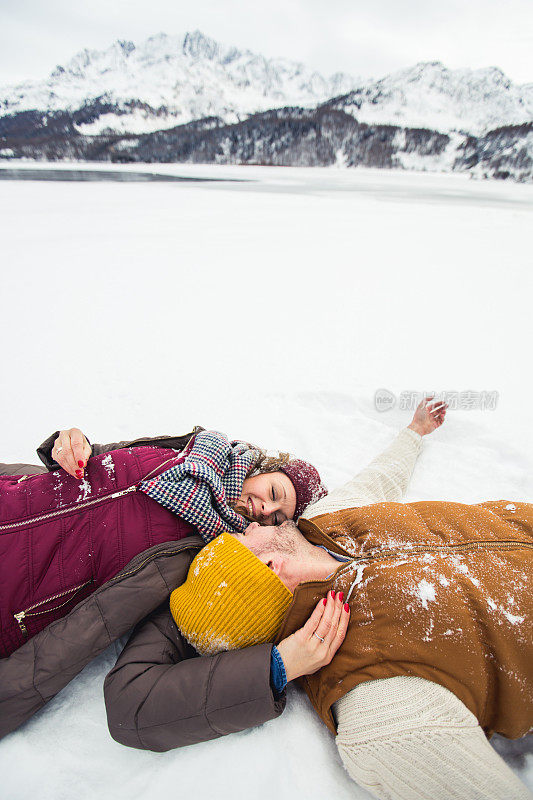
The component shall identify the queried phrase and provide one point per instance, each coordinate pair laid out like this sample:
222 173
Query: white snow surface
166 81
272 310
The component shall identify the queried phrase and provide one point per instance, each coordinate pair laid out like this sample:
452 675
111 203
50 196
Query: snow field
271 310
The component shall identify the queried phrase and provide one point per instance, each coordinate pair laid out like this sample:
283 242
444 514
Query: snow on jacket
405 736
60 539
437 590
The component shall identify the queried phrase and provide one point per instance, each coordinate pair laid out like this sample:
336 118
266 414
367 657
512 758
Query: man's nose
251 528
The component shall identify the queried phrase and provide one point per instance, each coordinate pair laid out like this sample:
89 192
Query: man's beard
282 541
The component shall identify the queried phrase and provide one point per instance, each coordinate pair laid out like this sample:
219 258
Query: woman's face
270 497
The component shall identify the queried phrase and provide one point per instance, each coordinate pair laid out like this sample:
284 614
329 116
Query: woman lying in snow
64 535
239 682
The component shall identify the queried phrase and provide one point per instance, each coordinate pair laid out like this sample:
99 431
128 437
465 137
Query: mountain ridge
189 98
168 80
177 79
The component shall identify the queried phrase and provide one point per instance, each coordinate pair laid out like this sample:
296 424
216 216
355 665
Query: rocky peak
196 45
127 47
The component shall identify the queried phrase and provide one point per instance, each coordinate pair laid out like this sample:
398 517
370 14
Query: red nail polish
79 473
341 596
325 600
346 607
333 594
80 463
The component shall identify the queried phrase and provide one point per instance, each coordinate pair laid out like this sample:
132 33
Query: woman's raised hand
314 645
71 450
428 416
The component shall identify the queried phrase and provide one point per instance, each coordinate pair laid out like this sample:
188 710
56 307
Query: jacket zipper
505 544
86 504
67 509
30 612
376 555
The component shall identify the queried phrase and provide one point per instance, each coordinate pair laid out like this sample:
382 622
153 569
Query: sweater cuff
413 435
278 676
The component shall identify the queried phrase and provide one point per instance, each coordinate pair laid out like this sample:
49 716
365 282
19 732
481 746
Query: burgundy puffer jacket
60 539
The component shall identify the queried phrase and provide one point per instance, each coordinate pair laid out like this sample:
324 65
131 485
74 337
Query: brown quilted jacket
437 590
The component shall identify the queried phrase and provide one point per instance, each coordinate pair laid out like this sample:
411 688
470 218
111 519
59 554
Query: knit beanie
229 600
307 483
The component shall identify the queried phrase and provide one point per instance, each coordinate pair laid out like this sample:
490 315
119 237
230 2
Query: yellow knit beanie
229 600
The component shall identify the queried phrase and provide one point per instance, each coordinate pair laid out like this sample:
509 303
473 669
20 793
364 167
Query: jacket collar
307 593
317 536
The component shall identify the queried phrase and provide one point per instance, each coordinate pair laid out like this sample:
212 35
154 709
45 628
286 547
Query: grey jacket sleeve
44 451
21 469
161 694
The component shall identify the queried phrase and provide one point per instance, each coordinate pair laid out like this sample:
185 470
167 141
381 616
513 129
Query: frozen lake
272 308
95 175
180 302
382 184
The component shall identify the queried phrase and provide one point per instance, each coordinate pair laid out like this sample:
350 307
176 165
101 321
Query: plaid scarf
200 489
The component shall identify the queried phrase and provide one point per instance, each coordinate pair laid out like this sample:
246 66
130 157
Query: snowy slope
429 95
170 80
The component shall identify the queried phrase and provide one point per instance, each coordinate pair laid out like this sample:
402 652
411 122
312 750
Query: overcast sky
367 38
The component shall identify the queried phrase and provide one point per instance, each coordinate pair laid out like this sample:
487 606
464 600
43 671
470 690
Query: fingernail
325 600
79 473
346 607
80 463
341 596
333 594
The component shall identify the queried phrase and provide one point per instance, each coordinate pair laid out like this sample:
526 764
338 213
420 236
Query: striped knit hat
229 600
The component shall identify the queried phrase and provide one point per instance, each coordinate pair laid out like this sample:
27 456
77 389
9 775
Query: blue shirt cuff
278 676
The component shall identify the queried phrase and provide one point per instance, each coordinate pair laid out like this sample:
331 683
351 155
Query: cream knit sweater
407 738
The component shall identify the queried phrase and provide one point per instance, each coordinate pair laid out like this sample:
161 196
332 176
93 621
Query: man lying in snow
439 647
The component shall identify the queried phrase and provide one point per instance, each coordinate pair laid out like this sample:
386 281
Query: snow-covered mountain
189 98
166 81
170 80
429 95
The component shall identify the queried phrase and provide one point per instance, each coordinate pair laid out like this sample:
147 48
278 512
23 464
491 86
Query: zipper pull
19 617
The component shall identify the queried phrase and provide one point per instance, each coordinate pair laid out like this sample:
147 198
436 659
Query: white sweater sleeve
406 738
385 478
